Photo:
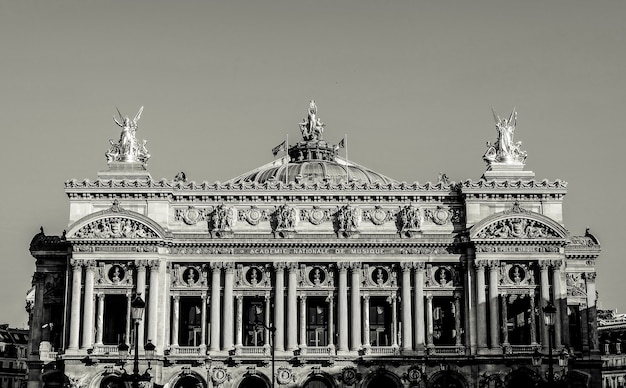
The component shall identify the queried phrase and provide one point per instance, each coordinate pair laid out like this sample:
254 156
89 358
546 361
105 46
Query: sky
411 84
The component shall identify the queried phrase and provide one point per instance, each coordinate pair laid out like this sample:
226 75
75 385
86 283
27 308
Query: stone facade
361 280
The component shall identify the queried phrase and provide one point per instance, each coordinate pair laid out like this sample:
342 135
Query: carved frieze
253 215
116 228
517 248
442 215
117 274
285 218
516 274
315 215
222 219
409 220
348 218
378 215
192 215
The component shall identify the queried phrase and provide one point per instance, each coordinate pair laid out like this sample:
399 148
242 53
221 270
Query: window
114 319
518 319
190 321
444 316
254 319
380 322
317 321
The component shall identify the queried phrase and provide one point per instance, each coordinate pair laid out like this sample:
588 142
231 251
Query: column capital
90 265
544 265
355 266
406 266
366 297
176 297
494 265
229 267
77 265
141 264
343 266
292 266
279 266
100 295
330 298
429 297
480 264
216 266
419 266
302 297
457 296
239 297
154 265
556 264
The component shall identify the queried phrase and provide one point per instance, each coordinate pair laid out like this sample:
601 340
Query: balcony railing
383 350
186 350
105 349
48 356
446 350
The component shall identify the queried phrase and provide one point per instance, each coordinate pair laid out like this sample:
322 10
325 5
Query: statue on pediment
127 149
505 150
312 127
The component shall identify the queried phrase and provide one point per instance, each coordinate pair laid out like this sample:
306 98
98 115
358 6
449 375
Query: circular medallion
116 274
219 375
191 276
443 276
349 375
517 274
378 216
440 216
254 275
317 275
253 216
317 216
380 276
284 375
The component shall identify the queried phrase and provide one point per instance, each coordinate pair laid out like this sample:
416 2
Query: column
128 323
203 324
292 307
366 323
239 332
430 327
227 309
355 301
331 321
279 307
342 307
140 265
419 306
407 339
77 273
394 321
175 319
469 305
533 324
100 319
545 298
88 302
268 309
216 274
481 305
590 283
505 331
153 304
457 319
303 341
493 304
558 298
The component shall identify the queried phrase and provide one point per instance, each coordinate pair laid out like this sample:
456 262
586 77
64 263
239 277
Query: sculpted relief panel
116 227
516 228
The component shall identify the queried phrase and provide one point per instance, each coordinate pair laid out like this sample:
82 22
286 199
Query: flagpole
347 163
287 159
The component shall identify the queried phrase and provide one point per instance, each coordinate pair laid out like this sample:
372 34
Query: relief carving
315 215
116 227
254 215
348 218
517 228
409 220
192 215
378 216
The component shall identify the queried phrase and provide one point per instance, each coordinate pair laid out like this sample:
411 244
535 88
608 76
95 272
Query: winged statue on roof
505 150
127 149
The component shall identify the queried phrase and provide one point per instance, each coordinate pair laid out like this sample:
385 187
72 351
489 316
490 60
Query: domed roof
312 161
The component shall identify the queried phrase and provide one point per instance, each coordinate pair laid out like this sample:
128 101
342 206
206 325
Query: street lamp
272 331
549 312
137 307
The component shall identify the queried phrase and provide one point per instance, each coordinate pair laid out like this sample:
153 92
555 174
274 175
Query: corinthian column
279 307
355 292
342 307
430 326
100 319
77 274
407 340
493 304
203 324
153 304
419 306
533 325
227 310
505 312
303 342
140 265
88 303
394 320
481 305
175 318
366 323
216 274
556 287
239 335
331 322
457 319
292 308
545 298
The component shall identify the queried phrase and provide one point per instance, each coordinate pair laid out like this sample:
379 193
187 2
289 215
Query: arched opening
112 382
317 382
446 379
253 382
189 381
382 380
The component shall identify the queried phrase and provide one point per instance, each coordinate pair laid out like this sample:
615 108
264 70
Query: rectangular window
444 319
317 321
114 321
380 321
518 319
190 321
253 321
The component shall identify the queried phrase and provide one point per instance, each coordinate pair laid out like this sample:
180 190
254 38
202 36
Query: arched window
253 382
111 382
317 382
446 379
189 382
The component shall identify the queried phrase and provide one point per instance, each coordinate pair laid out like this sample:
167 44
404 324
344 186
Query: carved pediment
116 228
518 223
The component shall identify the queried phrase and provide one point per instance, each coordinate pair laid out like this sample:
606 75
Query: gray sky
411 84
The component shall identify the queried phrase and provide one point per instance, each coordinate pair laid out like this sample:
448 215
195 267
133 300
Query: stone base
512 171
125 170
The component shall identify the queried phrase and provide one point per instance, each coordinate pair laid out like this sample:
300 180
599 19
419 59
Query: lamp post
549 312
272 331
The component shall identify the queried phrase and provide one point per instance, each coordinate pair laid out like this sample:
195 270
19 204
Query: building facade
13 356
611 334
314 271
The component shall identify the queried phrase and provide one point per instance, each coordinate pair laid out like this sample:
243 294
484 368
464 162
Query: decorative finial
505 151
312 127
180 177
127 149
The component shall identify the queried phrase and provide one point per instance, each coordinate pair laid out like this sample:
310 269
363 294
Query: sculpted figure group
312 127
505 150
127 149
